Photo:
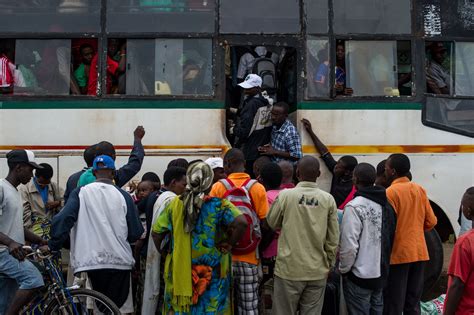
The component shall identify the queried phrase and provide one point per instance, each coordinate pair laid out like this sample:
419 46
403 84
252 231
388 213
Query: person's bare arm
33 238
269 150
158 239
14 248
123 59
321 147
455 292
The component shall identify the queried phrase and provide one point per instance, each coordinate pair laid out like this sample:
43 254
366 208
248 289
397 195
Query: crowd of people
206 238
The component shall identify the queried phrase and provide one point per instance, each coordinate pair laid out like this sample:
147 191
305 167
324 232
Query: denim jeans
16 274
362 301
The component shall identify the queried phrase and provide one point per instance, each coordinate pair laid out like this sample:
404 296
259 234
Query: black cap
23 156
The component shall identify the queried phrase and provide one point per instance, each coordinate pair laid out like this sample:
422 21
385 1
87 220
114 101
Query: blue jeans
16 274
362 301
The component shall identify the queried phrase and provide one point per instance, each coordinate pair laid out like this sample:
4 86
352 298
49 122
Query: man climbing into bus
409 253
123 174
104 221
20 274
285 140
253 126
307 217
342 188
245 266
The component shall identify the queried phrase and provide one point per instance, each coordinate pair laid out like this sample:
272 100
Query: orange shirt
259 200
414 217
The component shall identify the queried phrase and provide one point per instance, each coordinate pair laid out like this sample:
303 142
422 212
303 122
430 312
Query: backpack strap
228 184
254 53
248 184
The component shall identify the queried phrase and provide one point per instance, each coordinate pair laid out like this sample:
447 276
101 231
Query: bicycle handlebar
36 253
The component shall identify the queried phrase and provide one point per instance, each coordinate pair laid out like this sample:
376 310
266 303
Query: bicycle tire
84 293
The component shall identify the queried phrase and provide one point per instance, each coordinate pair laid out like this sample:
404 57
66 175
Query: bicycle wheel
83 301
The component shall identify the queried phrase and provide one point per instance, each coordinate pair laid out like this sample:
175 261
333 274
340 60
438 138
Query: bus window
464 74
450 68
439 67
374 68
316 16
161 16
317 68
43 67
50 16
372 16
166 67
454 114
255 17
46 67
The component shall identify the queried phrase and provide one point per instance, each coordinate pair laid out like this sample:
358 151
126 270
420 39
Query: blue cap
107 163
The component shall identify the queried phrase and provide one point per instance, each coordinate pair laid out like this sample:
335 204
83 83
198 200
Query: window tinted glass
254 17
316 16
371 68
160 16
317 68
49 16
372 16
464 79
453 113
169 67
43 67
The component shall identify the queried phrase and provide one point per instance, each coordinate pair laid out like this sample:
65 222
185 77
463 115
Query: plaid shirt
286 139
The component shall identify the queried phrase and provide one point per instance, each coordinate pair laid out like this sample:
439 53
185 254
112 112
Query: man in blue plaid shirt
285 140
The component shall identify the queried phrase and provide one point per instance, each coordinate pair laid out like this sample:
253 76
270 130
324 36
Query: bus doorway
276 65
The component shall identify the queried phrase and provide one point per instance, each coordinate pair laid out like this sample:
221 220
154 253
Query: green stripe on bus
359 105
117 104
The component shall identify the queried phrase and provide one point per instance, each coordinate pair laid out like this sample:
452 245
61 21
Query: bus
374 77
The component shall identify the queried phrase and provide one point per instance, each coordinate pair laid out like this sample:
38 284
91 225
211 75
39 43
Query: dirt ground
442 284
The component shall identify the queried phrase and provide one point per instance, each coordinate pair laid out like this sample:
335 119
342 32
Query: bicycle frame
55 290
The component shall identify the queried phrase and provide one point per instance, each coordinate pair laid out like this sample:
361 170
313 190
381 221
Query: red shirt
462 266
112 67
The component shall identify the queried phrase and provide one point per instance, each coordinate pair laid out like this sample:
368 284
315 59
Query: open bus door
275 63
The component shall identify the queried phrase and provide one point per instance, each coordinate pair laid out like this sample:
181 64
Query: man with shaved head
287 170
367 231
307 217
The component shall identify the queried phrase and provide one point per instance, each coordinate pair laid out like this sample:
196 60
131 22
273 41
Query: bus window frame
293 40
153 36
364 37
427 95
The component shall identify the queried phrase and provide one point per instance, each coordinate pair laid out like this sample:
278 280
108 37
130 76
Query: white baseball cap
251 81
215 162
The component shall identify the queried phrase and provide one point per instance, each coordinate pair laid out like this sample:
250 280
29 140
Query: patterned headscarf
199 179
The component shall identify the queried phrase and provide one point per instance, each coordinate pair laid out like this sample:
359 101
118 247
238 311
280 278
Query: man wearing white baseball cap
253 127
217 165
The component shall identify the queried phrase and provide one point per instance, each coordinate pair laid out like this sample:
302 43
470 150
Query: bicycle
58 299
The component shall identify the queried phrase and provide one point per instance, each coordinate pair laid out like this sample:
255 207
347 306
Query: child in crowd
270 175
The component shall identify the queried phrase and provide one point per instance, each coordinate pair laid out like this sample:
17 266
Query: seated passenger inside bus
438 78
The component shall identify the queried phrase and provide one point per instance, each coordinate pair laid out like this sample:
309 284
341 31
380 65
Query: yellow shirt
258 196
414 217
